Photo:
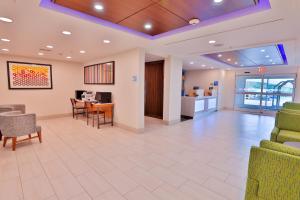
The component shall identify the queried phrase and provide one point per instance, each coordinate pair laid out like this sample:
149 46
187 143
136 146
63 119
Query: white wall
66 77
172 89
203 78
128 95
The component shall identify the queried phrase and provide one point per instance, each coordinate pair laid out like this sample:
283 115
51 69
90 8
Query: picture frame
100 74
30 76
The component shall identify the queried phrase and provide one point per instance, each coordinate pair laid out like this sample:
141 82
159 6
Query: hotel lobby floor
194 160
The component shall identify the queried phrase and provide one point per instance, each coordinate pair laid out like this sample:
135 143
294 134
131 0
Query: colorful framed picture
22 75
100 74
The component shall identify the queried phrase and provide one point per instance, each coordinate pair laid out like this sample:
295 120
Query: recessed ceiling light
5 40
212 67
49 46
81 51
262 50
229 59
192 63
212 41
218 1
271 60
273 63
267 56
242 65
40 54
66 33
220 55
4 19
68 57
98 7
148 26
194 21
106 41
203 65
236 63
4 49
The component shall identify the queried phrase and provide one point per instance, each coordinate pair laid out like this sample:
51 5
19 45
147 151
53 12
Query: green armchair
291 105
273 173
287 127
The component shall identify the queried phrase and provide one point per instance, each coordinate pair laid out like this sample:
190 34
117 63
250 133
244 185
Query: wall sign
22 75
100 74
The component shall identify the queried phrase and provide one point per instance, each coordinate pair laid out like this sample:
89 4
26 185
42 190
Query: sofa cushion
288 136
280 147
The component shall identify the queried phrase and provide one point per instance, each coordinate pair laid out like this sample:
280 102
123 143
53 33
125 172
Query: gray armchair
15 124
11 107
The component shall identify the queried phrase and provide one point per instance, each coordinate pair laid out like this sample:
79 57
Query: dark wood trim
8 75
113 62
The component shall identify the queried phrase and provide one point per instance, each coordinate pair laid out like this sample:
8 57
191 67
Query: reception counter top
193 106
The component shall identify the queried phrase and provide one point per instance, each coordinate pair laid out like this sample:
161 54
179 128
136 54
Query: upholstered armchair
15 124
273 172
291 105
11 107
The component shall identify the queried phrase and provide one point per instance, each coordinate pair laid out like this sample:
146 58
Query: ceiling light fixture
229 59
5 50
49 46
262 50
212 42
68 57
66 33
271 60
212 67
148 26
220 55
218 1
82 51
236 63
106 41
192 63
40 54
7 20
267 56
98 7
5 40
194 21
242 65
203 65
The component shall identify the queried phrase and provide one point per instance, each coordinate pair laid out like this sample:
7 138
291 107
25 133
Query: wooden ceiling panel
161 19
114 10
204 9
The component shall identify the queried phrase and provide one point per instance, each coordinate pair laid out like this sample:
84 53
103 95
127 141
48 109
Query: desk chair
90 109
76 108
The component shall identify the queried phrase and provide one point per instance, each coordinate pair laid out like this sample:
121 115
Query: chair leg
0 136
98 122
40 136
87 118
14 143
4 141
29 136
93 120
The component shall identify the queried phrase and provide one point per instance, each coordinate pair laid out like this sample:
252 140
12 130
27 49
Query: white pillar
172 89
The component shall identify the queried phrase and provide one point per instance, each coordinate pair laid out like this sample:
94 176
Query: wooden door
154 89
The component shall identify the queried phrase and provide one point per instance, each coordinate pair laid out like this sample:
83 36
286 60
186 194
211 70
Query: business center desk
108 108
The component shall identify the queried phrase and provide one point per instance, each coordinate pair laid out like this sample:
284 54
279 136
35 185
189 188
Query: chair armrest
280 147
14 124
274 134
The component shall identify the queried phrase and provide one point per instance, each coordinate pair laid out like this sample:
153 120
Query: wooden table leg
0 136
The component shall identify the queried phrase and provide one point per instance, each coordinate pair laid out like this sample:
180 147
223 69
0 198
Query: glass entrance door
264 93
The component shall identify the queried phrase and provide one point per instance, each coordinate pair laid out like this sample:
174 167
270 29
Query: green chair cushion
288 121
288 136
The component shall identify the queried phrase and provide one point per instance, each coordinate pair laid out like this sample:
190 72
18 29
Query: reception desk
197 106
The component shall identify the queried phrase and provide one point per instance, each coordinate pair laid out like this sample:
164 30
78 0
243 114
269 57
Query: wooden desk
108 108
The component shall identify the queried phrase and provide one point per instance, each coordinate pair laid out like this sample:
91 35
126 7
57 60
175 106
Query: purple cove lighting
283 54
262 5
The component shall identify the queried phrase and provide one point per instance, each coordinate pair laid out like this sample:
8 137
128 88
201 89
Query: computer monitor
78 93
103 97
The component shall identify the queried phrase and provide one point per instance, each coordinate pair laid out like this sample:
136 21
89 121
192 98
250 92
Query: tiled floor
194 160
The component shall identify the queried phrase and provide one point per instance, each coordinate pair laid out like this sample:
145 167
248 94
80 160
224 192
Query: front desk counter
194 107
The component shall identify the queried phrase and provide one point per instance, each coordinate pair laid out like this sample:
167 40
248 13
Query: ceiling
252 57
35 27
160 15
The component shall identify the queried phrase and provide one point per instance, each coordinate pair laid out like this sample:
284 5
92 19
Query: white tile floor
194 160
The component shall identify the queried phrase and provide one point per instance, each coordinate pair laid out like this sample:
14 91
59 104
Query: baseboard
53 116
128 128
172 122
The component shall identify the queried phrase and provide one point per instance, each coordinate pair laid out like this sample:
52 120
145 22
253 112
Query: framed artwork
22 75
100 74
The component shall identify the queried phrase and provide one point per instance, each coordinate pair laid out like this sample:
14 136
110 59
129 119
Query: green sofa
287 126
291 105
273 173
